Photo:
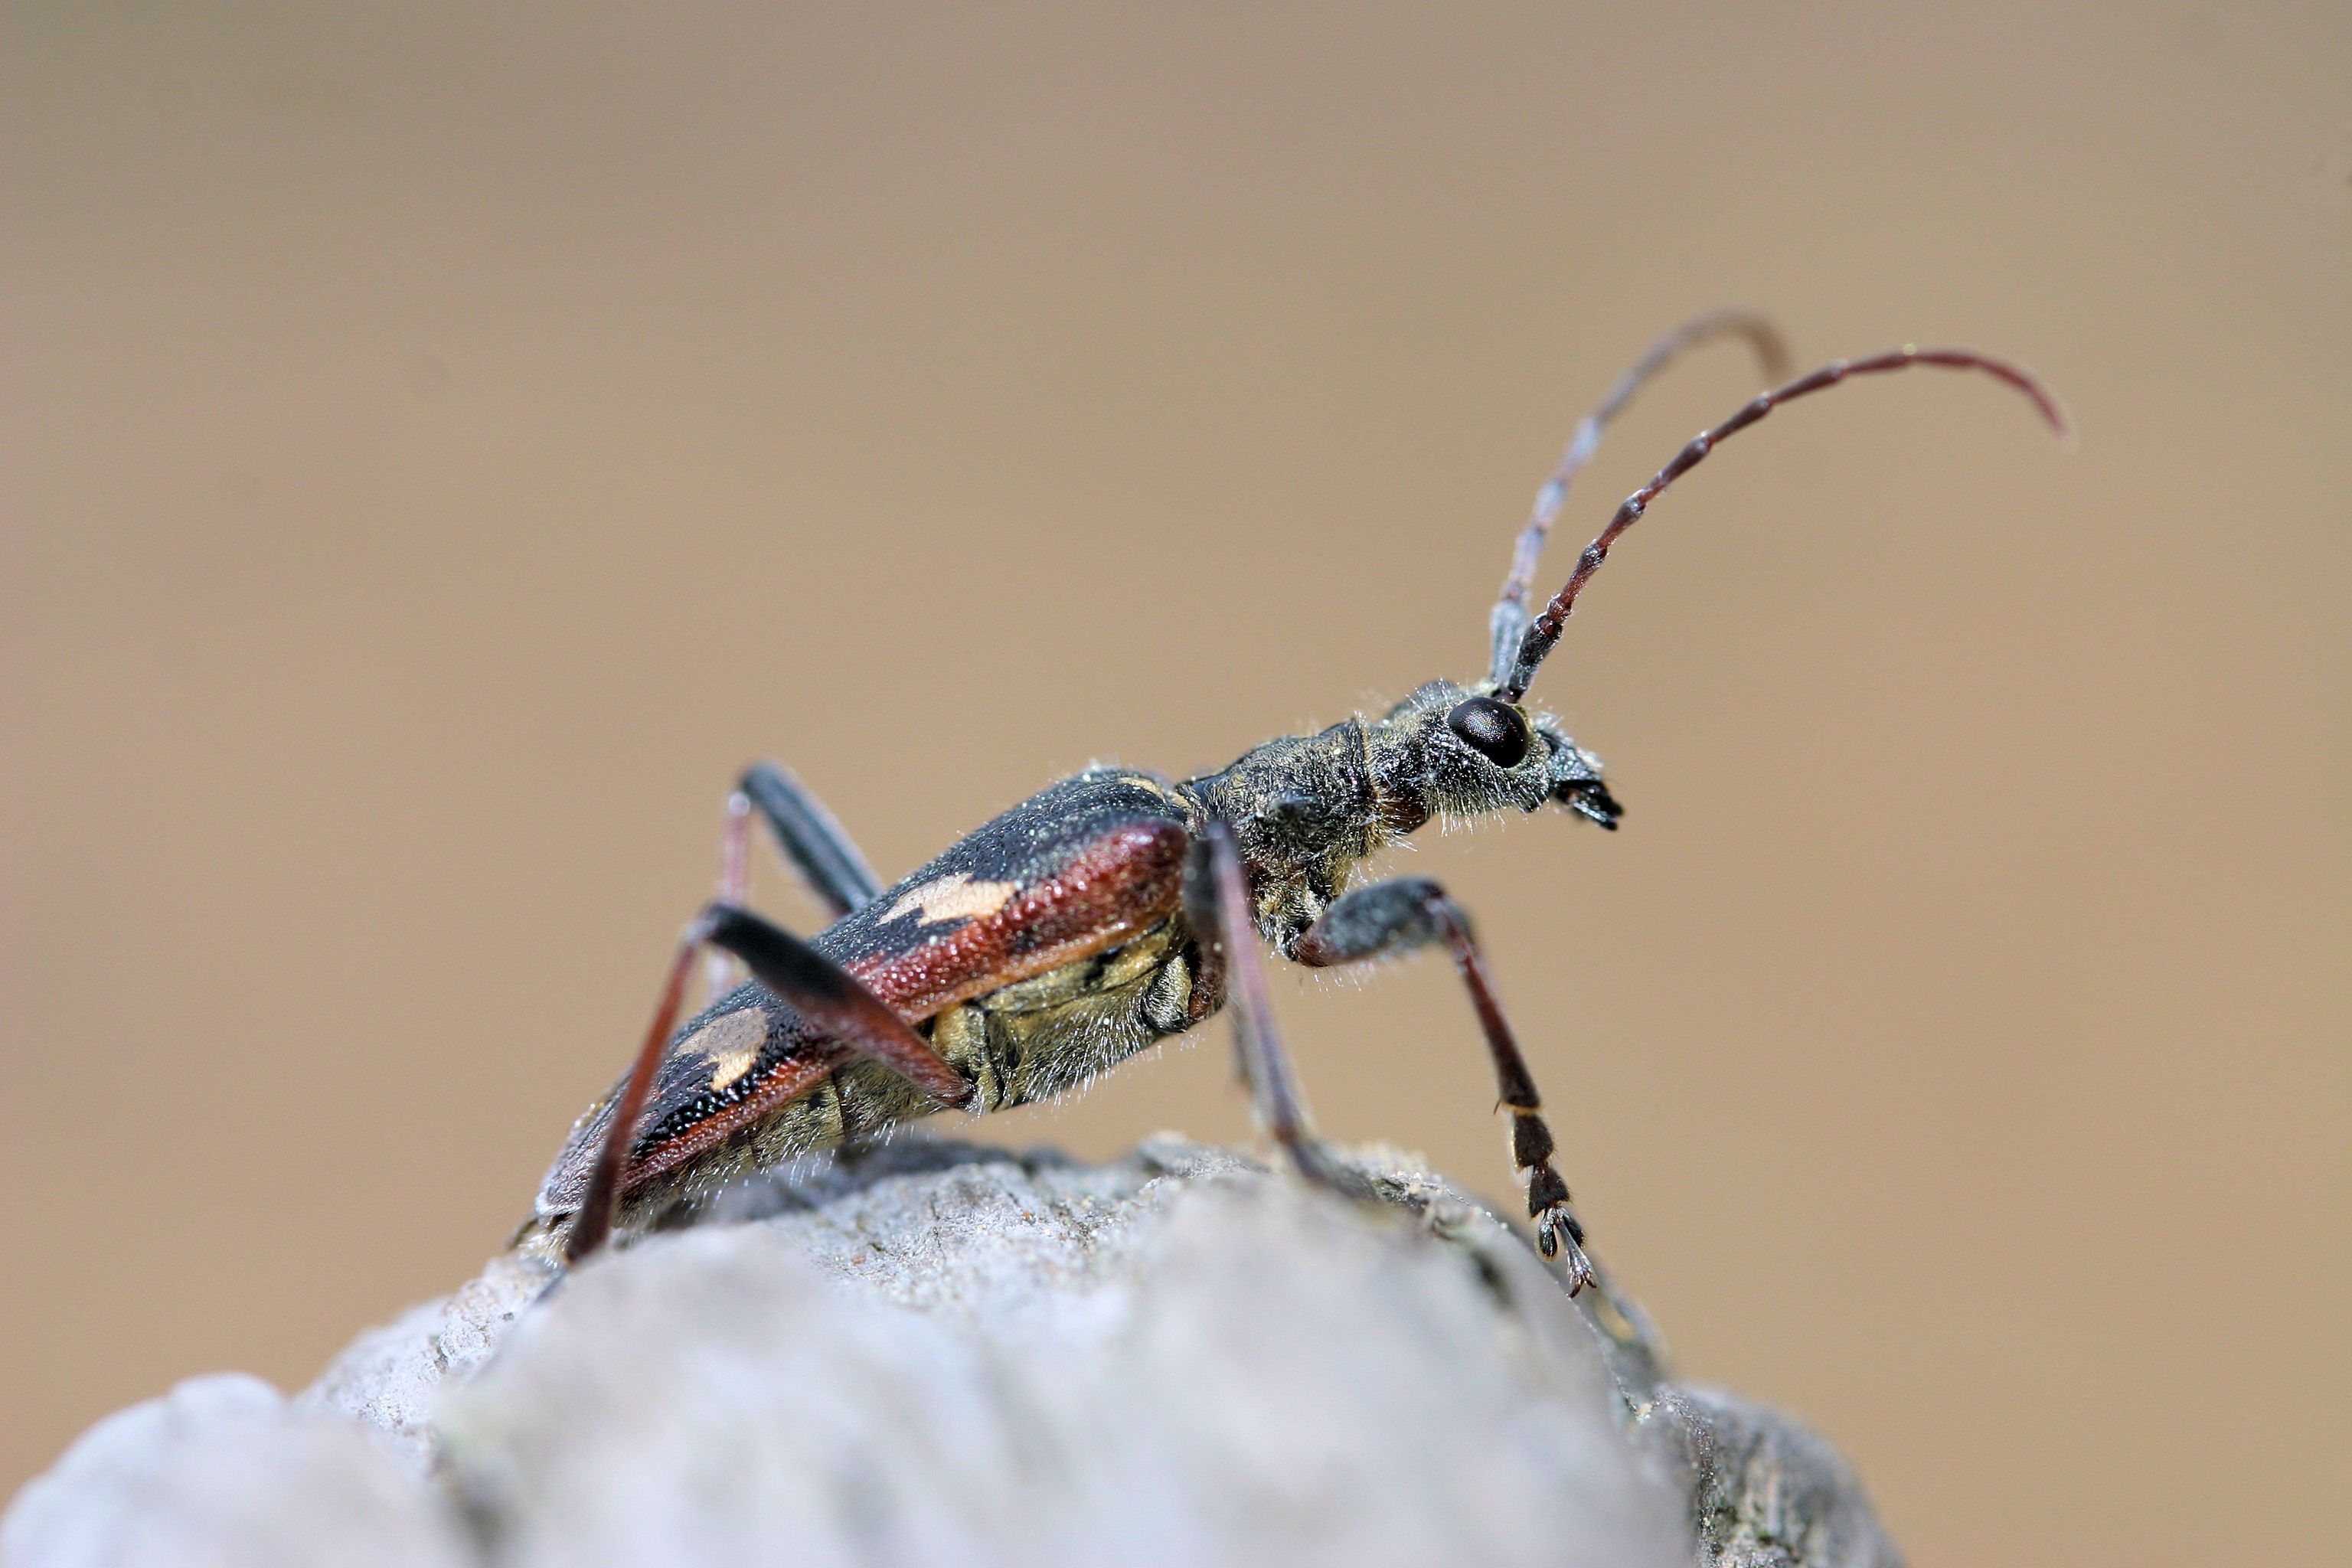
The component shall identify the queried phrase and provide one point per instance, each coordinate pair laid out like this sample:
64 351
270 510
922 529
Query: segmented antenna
1544 634
1508 621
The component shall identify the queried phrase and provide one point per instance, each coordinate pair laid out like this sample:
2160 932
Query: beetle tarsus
1561 1238
1388 920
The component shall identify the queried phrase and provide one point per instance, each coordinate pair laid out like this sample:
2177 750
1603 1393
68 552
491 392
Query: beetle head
1455 753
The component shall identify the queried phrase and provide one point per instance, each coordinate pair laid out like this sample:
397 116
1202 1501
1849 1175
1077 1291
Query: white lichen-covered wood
223 1472
938 1354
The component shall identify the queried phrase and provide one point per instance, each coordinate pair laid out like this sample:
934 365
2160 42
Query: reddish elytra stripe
1125 883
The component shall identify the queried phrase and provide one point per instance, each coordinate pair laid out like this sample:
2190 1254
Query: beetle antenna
1509 619
1543 635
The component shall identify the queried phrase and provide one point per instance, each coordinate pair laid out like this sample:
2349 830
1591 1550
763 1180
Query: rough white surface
221 1472
937 1354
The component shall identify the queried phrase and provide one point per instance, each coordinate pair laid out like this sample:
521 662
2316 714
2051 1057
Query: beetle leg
594 1220
810 838
1217 907
820 990
1392 918
721 972
833 999
806 834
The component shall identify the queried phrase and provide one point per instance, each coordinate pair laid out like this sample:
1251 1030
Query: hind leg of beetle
810 838
1396 917
1217 906
818 989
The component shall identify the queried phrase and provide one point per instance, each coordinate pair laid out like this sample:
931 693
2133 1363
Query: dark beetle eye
1494 730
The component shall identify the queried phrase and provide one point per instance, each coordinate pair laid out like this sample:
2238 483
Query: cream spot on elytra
953 898
732 1044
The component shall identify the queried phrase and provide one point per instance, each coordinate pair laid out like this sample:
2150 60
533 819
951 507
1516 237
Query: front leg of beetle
1396 917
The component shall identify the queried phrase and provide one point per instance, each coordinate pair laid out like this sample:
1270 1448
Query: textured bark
940 1354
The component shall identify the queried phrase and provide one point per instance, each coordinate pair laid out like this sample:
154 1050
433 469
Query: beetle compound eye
1494 730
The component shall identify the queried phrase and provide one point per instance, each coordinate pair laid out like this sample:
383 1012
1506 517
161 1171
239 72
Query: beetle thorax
1310 810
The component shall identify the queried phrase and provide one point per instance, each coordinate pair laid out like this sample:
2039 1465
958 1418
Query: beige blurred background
444 442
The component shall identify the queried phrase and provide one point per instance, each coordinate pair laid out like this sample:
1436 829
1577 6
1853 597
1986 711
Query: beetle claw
1557 1237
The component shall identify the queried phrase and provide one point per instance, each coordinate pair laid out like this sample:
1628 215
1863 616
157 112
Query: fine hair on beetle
1119 907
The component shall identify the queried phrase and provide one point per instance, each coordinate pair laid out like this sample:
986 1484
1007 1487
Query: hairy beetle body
1116 908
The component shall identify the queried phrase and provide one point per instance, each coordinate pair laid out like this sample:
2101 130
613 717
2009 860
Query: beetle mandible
1119 907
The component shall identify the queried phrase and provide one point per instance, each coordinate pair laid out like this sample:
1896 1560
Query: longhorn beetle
1119 907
